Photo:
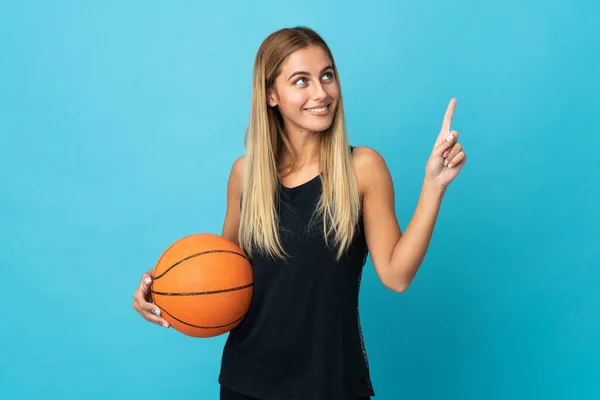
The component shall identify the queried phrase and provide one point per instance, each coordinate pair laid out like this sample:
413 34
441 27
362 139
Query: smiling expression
306 91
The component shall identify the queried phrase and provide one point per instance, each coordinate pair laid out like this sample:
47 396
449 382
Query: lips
318 111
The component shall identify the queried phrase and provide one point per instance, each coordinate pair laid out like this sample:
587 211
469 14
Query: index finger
448 117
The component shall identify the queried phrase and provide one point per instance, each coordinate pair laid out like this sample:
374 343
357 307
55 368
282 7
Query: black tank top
301 338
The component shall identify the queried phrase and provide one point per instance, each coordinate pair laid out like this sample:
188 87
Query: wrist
435 189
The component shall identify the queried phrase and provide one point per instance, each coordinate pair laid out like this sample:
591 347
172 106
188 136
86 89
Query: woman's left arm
397 256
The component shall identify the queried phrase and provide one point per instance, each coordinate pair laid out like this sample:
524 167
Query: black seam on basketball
202 293
166 251
198 255
201 327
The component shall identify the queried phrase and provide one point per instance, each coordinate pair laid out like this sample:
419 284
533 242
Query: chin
317 127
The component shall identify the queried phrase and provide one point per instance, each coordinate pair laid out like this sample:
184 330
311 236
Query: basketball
203 285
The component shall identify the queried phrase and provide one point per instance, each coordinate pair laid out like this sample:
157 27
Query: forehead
309 59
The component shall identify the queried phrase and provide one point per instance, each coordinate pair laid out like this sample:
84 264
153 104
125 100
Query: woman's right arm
141 298
234 196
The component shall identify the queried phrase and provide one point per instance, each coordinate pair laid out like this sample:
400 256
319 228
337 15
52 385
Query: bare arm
234 195
142 299
396 256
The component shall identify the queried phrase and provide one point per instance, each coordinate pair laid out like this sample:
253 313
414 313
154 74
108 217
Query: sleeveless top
301 338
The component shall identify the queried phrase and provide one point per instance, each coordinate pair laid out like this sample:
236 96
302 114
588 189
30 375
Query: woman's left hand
447 157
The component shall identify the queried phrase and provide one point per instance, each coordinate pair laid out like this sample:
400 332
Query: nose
317 92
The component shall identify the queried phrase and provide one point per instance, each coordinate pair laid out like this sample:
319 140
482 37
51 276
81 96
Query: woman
313 208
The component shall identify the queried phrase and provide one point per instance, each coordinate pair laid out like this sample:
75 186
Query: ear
272 98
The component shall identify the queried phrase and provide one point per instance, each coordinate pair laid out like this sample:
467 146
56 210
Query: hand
447 157
141 301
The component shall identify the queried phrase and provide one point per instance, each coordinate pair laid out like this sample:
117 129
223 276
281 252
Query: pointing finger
447 121
448 116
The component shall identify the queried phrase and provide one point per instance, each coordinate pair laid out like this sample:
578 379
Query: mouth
320 111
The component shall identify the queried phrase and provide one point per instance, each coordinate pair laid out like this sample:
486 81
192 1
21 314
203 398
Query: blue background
119 122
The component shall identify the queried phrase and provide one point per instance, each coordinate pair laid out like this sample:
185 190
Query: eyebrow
306 73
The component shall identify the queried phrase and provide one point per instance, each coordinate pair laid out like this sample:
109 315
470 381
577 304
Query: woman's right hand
141 301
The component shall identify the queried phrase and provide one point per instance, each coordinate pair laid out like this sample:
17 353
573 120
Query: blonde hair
339 203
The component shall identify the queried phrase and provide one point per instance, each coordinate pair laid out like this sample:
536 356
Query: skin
396 256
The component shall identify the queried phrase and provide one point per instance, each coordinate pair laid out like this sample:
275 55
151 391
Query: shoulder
365 156
369 166
236 177
238 166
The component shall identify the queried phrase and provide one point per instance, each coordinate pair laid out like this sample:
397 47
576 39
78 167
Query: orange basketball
203 285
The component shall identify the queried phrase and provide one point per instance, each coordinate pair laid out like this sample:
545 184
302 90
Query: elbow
393 282
397 287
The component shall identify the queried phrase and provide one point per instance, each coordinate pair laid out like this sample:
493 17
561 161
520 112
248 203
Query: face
306 91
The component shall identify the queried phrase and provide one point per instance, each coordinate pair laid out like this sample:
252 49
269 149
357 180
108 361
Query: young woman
307 208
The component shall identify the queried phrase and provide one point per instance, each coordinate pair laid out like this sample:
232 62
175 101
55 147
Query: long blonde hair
339 203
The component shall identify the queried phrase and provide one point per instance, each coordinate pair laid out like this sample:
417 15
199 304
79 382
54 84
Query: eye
295 83
330 74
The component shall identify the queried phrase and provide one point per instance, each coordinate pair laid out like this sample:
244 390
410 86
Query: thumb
144 286
444 143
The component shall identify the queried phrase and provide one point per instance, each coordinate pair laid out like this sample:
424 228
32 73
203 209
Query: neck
306 146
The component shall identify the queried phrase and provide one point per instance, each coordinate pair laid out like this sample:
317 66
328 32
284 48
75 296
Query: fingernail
147 280
445 154
449 137
445 162
450 165
157 312
165 324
